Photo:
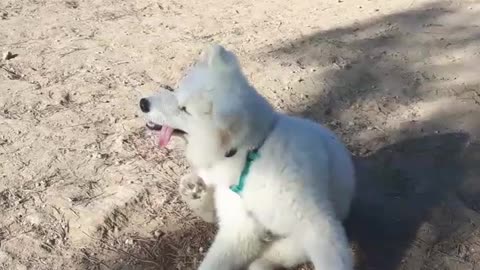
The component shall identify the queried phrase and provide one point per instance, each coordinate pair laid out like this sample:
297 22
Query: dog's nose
144 105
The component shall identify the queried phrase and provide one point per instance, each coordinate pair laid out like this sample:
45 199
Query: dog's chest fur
269 197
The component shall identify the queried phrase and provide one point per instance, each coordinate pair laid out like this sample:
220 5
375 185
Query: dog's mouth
164 133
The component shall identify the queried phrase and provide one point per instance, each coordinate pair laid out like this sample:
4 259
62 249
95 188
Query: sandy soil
82 186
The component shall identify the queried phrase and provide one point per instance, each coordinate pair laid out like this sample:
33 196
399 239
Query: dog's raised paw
192 187
198 197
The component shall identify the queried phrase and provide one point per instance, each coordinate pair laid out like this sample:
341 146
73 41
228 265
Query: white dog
281 185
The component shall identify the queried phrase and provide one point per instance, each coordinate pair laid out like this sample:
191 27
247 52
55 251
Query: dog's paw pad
192 187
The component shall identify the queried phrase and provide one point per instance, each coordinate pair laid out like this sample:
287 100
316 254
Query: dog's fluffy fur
297 192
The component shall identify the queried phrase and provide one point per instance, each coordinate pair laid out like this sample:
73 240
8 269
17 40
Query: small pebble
51 241
129 241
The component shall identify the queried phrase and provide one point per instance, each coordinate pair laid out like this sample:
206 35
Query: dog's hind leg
262 264
286 252
239 238
326 245
198 197
232 249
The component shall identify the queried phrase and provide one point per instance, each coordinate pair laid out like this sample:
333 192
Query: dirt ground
82 185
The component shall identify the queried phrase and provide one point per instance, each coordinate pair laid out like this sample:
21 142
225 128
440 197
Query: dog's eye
183 109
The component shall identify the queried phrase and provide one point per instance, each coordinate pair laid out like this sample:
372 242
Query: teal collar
252 155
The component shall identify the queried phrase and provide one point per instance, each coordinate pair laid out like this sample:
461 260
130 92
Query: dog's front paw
198 196
192 187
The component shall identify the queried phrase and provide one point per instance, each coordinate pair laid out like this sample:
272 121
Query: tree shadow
417 203
401 58
179 248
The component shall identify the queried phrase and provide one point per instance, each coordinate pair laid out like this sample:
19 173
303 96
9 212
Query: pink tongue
164 136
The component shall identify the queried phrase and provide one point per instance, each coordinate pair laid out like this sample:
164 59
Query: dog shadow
410 201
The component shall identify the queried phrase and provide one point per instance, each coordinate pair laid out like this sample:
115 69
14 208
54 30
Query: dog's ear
216 56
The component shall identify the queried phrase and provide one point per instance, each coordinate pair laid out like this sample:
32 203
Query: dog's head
214 107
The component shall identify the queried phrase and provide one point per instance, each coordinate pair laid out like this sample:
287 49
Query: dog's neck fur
256 129
261 118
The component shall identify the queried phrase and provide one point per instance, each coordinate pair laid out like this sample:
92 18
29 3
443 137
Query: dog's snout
144 105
